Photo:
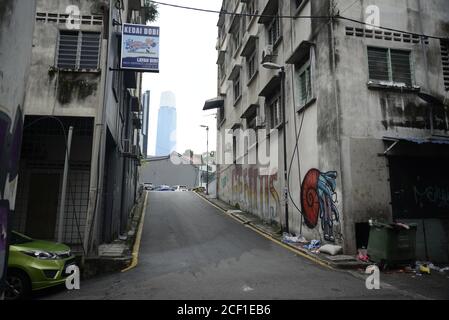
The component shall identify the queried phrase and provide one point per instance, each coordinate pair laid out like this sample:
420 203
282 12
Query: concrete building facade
170 170
366 113
75 81
16 38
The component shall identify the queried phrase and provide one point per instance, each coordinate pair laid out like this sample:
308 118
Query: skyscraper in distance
166 125
145 126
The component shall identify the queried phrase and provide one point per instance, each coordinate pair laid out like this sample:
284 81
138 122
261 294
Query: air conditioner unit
268 54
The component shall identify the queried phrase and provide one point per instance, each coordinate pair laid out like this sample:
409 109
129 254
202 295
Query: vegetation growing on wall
74 86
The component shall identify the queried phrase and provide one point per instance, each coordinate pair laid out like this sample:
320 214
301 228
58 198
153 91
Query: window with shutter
304 83
390 65
78 50
90 50
400 64
68 49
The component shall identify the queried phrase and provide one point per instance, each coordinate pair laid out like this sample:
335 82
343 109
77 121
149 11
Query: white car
181 188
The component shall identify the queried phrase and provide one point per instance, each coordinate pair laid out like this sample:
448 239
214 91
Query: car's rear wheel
18 285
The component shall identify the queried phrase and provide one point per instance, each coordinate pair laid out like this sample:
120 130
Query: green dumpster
392 244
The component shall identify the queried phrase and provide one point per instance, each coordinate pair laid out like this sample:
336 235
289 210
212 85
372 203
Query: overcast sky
188 69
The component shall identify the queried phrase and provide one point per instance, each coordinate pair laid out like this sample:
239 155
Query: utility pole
284 135
207 160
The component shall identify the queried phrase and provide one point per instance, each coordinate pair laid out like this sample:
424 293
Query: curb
298 250
136 245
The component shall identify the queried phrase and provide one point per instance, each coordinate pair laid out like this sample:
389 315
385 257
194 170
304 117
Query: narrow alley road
190 250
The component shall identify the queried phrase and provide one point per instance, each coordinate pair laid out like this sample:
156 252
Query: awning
301 51
234 23
269 12
214 103
236 126
272 86
250 112
430 140
249 46
235 72
221 56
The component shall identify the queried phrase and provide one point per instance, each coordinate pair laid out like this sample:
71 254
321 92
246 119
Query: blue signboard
140 48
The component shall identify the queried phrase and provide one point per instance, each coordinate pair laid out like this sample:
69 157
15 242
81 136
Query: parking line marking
321 263
136 247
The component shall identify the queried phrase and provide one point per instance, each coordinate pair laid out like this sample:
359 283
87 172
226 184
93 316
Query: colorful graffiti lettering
251 191
317 201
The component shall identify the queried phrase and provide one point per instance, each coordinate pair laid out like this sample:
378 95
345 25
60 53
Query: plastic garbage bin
392 244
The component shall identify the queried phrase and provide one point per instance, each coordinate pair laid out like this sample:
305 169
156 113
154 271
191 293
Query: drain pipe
426 65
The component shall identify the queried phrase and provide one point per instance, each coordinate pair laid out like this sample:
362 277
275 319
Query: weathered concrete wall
368 115
165 172
54 92
16 30
336 178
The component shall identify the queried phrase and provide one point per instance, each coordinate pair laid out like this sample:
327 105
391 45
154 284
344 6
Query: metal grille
47 17
76 206
78 50
90 50
445 62
68 48
378 64
385 35
400 64
389 65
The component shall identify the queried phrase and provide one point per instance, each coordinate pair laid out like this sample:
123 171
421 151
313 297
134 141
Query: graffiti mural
10 147
318 201
4 211
246 187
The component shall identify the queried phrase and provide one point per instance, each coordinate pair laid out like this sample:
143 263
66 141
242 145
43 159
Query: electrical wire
337 16
242 14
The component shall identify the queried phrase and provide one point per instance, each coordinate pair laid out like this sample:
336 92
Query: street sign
140 48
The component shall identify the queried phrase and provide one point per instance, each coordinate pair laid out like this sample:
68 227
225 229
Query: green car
34 265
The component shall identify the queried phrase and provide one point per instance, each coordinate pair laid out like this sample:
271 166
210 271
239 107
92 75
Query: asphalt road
191 250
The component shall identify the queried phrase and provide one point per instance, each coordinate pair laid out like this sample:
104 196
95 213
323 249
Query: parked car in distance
148 186
181 188
164 188
34 265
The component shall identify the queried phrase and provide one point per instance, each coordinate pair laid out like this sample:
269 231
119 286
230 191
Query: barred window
305 84
390 65
237 88
78 50
445 62
274 31
252 65
275 112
